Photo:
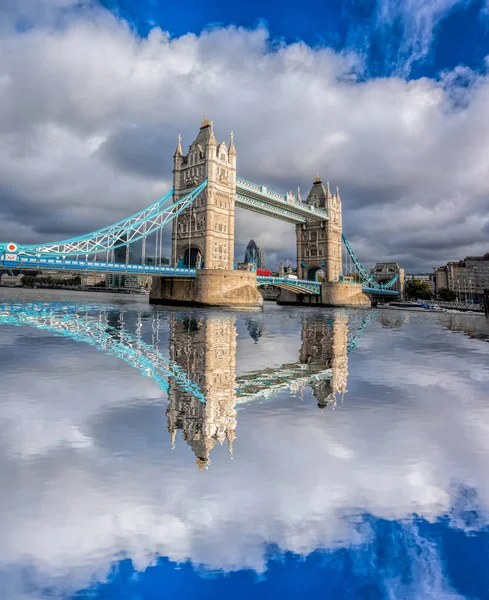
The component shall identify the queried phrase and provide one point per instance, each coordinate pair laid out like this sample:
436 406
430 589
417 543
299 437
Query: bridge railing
272 280
59 264
467 306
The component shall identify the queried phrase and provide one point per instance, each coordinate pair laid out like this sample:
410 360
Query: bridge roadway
300 286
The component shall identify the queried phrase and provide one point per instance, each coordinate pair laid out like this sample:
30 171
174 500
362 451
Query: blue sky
459 35
387 99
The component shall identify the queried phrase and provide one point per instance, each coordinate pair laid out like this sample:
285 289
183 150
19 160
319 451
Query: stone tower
206 348
203 234
319 244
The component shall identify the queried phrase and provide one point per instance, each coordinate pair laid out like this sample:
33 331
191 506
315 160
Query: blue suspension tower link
127 231
368 278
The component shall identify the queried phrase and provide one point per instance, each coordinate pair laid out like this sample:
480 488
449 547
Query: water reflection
205 347
389 498
200 371
325 346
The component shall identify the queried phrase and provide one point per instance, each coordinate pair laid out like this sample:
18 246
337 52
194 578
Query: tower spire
178 151
232 149
299 199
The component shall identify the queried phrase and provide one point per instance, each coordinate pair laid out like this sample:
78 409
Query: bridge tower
203 234
319 243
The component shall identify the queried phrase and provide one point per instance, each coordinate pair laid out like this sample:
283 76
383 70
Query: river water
155 453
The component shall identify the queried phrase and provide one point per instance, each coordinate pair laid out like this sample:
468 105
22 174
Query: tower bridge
200 209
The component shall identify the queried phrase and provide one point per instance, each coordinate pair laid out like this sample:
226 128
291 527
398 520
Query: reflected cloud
405 454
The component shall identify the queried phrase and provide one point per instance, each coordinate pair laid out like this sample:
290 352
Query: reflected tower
205 347
325 346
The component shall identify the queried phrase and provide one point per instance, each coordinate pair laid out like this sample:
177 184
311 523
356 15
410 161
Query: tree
447 295
418 289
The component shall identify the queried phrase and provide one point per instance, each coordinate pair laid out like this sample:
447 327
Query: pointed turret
178 151
337 193
328 191
318 194
232 149
299 199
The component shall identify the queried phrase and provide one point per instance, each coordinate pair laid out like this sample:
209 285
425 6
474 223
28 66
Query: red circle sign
12 247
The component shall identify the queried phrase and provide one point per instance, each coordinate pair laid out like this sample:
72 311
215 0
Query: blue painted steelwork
299 286
379 291
91 266
369 283
124 232
95 331
260 199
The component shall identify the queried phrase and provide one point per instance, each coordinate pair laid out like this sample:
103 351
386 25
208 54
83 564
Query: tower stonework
203 234
319 243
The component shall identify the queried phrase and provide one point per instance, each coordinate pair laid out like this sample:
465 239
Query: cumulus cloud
90 112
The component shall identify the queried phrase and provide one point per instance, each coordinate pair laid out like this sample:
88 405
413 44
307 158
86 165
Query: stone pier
210 287
332 294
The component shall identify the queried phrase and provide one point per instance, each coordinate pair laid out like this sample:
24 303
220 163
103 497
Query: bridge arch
193 258
314 272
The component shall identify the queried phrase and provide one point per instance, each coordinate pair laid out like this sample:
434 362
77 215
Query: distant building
441 278
255 255
468 278
88 279
128 282
428 278
384 272
58 274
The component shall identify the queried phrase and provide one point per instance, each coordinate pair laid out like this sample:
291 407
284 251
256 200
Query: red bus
265 272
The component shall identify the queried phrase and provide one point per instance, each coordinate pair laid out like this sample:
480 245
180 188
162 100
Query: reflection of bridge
102 329
200 208
200 372
323 343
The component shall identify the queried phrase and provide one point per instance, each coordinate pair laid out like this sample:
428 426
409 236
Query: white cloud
90 113
415 22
